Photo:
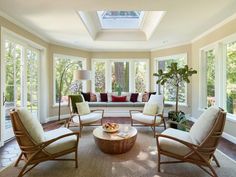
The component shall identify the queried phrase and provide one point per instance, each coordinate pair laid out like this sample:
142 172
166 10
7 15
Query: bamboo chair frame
33 153
200 155
80 124
153 125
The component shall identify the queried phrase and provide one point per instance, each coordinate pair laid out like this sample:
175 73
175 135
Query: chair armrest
97 110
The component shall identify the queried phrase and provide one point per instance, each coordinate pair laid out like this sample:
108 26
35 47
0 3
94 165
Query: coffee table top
124 128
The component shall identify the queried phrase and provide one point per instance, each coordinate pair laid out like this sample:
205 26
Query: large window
68 85
127 75
120 76
168 90
218 75
208 77
231 77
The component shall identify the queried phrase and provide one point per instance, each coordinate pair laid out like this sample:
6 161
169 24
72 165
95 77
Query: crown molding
215 27
21 25
171 46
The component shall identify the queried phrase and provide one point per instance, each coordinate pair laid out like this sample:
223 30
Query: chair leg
159 162
76 159
81 127
18 159
154 130
164 122
212 170
216 161
132 122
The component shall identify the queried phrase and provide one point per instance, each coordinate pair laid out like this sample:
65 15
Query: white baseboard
229 137
56 117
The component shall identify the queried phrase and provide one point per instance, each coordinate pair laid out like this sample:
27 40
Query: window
167 89
120 76
68 85
208 77
141 76
128 75
218 75
231 77
100 76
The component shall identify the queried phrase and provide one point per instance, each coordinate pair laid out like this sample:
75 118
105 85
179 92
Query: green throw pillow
83 108
76 99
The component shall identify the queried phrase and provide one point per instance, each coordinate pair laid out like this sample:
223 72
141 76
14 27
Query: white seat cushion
88 118
174 146
203 125
61 144
145 118
32 125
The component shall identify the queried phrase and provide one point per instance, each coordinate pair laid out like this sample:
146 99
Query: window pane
67 84
140 76
210 77
120 76
168 89
231 78
100 76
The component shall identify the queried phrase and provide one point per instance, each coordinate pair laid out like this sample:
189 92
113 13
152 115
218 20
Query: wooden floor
10 151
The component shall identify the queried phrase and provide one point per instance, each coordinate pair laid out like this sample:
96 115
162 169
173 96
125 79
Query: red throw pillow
118 98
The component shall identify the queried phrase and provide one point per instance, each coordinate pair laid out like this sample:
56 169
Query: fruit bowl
110 127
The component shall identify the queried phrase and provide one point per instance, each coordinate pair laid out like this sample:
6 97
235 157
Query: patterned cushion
93 97
145 97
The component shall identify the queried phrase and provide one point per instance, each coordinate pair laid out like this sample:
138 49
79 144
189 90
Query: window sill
231 117
173 104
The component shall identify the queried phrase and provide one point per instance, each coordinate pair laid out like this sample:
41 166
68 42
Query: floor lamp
77 75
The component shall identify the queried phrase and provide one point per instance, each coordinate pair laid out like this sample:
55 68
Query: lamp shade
81 75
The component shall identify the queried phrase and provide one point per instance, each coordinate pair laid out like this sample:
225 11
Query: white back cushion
32 125
150 109
204 124
83 108
158 99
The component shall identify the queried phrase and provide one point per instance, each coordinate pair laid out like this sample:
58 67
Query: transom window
120 19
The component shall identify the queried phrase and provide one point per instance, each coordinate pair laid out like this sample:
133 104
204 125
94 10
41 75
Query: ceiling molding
21 25
171 46
215 27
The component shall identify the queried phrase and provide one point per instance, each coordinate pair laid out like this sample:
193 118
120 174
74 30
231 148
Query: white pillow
140 97
150 108
83 108
98 96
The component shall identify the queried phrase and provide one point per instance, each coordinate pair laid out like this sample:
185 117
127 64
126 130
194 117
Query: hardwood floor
10 151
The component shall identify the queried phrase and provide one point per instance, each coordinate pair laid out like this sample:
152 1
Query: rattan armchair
198 145
94 118
38 146
138 118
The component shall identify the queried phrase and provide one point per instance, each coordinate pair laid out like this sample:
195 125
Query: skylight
120 19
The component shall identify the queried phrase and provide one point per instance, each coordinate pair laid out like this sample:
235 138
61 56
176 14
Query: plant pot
173 125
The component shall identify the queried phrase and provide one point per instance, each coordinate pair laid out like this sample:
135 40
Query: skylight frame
117 22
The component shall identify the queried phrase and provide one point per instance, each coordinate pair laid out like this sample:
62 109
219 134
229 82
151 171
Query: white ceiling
58 21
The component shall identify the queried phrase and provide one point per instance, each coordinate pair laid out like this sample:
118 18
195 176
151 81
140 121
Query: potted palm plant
175 76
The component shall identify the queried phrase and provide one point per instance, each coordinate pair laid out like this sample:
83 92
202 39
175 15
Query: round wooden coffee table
114 143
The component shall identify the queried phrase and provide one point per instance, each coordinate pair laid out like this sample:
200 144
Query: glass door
20 81
12 92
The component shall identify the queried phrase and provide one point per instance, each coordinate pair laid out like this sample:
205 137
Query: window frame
73 58
221 77
156 68
108 72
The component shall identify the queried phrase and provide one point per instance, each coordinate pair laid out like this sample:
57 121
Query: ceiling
59 22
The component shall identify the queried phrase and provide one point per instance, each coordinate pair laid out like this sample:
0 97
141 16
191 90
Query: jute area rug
141 161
